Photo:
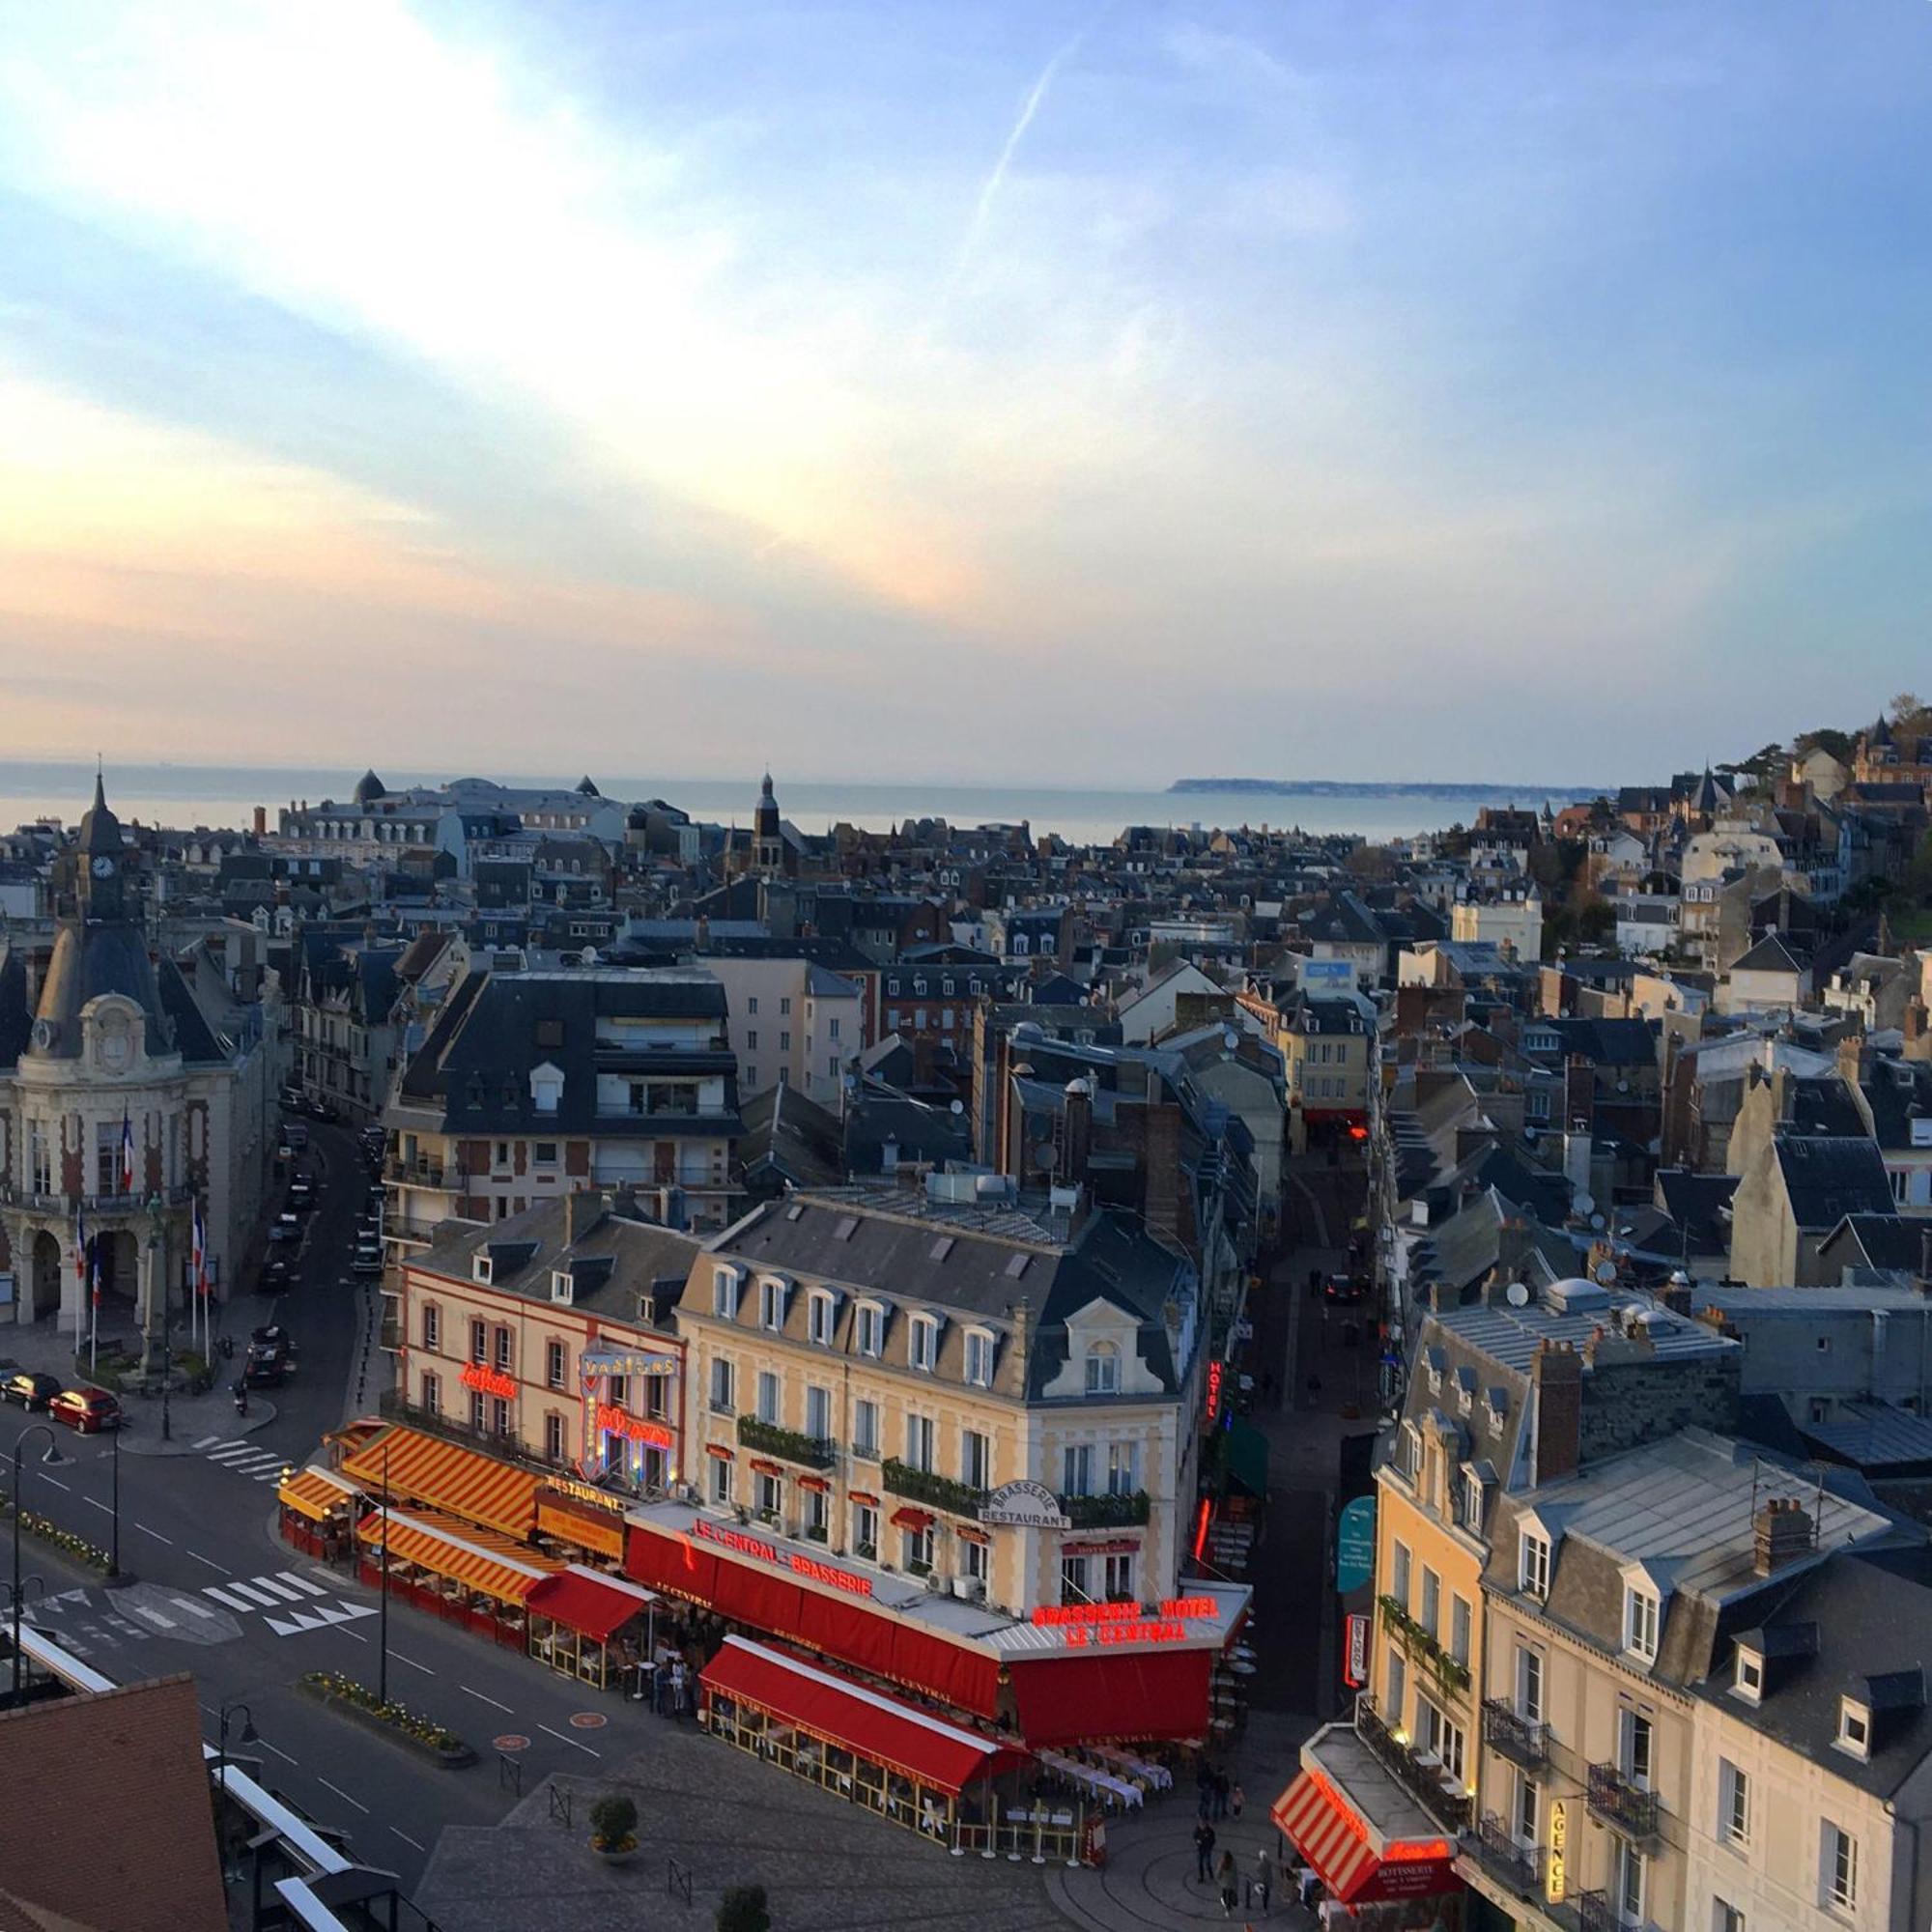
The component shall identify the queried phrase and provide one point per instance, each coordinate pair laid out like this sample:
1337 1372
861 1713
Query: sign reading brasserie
1027 1504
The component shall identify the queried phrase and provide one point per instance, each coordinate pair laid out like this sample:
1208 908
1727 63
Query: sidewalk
191 1418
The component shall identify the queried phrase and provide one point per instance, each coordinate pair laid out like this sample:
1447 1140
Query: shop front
588 1626
408 1466
1380 1857
454 1569
949 1784
583 1517
318 1512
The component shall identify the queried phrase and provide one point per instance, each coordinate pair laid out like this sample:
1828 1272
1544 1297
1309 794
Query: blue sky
1064 394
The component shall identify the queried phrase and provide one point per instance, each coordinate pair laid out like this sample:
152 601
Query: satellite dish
1584 1204
1607 1273
958 1106
1516 1294
1598 1221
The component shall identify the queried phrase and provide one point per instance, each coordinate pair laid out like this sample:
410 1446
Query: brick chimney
1780 1533
582 1209
1557 1376
1918 1032
1076 1133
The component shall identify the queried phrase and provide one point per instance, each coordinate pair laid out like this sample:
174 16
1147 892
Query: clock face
43 1034
103 866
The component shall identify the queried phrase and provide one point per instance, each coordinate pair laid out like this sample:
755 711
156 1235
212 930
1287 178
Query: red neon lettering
824 1573
491 1382
1188 1606
612 1421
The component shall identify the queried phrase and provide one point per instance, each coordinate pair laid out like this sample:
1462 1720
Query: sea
183 796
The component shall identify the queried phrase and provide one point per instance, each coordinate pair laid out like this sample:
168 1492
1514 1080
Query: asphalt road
219 1594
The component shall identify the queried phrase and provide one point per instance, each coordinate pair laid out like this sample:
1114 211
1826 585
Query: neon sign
1079 1637
1216 1372
1075 1615
798 1564
612 1421
491 1382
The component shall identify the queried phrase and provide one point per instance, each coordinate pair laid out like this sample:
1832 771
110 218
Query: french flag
200 1250
127 1153
94 1272
79 1246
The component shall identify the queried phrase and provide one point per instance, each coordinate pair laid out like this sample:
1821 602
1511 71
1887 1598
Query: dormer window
1103 1369
479 1270
923 1347
1472 1500
1855 1727
561 1286
546 1088
871 1326
978 1358
1409 1451
820 1318
1641 1616
1533 1565
724 1293
1749 1678
772 1305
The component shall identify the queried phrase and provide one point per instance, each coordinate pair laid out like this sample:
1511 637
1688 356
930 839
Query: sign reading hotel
1026 1505
1095 1624
795 1560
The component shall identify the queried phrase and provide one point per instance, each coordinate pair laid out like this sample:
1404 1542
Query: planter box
455 1758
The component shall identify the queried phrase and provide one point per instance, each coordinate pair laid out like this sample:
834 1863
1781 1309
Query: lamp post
157 1286
382 1625
114 1545
53 1456
247 1734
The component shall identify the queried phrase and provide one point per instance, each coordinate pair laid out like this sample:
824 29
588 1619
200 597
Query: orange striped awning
1326 1834
316 1493
476 1557
421 1468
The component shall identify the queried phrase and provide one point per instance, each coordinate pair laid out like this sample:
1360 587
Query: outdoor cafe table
1156 1774
1116 1789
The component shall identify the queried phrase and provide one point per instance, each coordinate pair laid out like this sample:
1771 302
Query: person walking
678 1688
1225 1874
1220 1795
1204 1850
1262 1885
1237 1798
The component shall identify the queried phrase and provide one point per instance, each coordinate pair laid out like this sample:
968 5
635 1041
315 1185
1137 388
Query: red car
88 1410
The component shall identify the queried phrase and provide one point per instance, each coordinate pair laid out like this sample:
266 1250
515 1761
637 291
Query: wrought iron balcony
1517 1866
1594 1913
1444 1800
1622 1804
1523 1740
1106 1510
924 1486
812 1452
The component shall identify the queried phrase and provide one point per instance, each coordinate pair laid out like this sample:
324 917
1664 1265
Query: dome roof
369 786
99 829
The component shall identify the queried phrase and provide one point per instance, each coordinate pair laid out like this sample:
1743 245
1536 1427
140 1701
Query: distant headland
1362 788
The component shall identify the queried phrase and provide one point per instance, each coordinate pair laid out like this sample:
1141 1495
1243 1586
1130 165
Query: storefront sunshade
446 1476
1329 1837
867 1723
1104 1694
585 1605
316 1493
457 1550
1248 1457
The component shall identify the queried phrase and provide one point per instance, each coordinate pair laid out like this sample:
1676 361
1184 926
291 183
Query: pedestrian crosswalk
289 1598
245 1459
288 1601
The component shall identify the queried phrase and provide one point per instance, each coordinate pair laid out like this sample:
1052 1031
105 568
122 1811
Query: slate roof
1875 1436
1827 1178
1770 954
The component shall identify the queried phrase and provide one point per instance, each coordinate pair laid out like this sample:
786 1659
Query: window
432 1326
1399 1575
1077 1469
920 1435
923 1349
504 1349
752 1005
476 1410
1749 1683
751 1040
819 1412
784 1006
1123 1469
1854 1728
1627 1867
721 1480
1397 1680
768 1396
432 1393
723 1378
832 1028
1640 1623
554 1436
1636 1736
1431 1613
1533 1565
499 1416
1119 1577
978 1358
1103 1369
1472 1501
1458 1629
543 1154
1528 1684
1441 1739
916 1546
864 1428
40 1159
975 1558
785 1041
1726 1916
1073 1580
772 1305
767 1494
871 1325
553 1364
819 1319
1525 1808
479 1342
975 1460
1734 1825
657 1397
865 1529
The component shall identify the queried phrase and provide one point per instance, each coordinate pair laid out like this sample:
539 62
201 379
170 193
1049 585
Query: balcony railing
1444 1800
1594 1913
133 1202
1517 1866
1622 1804
1106 1510
813 1452
1450 1674
1523 1740
420 1173
924 1486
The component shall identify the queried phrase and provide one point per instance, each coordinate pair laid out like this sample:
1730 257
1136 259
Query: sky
1071 394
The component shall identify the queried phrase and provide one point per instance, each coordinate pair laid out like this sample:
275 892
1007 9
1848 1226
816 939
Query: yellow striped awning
475 1557
420 1468
316 1493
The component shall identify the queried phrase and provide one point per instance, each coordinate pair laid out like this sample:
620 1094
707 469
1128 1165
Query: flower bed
65 1540
396 1720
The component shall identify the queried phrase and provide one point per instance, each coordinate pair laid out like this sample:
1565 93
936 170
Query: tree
1826 738
1903 705
743 1909
1373 863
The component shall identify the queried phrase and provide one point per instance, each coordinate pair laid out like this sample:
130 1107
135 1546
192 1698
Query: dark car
29 1388
368 1260
302 1198
1345 1288
275 1277
272 1357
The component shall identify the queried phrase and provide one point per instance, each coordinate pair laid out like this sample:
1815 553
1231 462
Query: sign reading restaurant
1029 1505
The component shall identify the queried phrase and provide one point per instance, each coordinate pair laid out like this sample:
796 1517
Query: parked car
87 1410
301 1197
368 1260
1345 1288
295 1134
277 1276
287 1227
30 1389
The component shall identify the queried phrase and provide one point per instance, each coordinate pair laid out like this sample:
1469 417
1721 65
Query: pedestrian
1221 1794
1263 1882
1237 1798
678 1688
1305 1883
1204 1792
1203 1849
1225 1874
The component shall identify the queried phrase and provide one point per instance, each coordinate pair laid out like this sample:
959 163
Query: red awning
719 1450
1102 1695
765 1467
811 1483
584 1605
1314 1816
867 1723
864 1498
912 1518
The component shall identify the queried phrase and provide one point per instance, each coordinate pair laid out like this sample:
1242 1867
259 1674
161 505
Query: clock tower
102 887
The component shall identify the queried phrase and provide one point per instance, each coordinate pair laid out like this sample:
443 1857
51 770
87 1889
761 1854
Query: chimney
261 821
582 1209
1557 1377
1780 1533
1076 1137
1918 1032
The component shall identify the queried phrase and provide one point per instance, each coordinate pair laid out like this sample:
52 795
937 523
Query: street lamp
158 1284
52 1457
383 1627
247 1734
114 1547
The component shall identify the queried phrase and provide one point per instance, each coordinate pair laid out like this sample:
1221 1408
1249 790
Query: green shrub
743 1909
613 1823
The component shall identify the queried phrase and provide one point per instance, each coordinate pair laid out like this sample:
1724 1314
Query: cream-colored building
1512 918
